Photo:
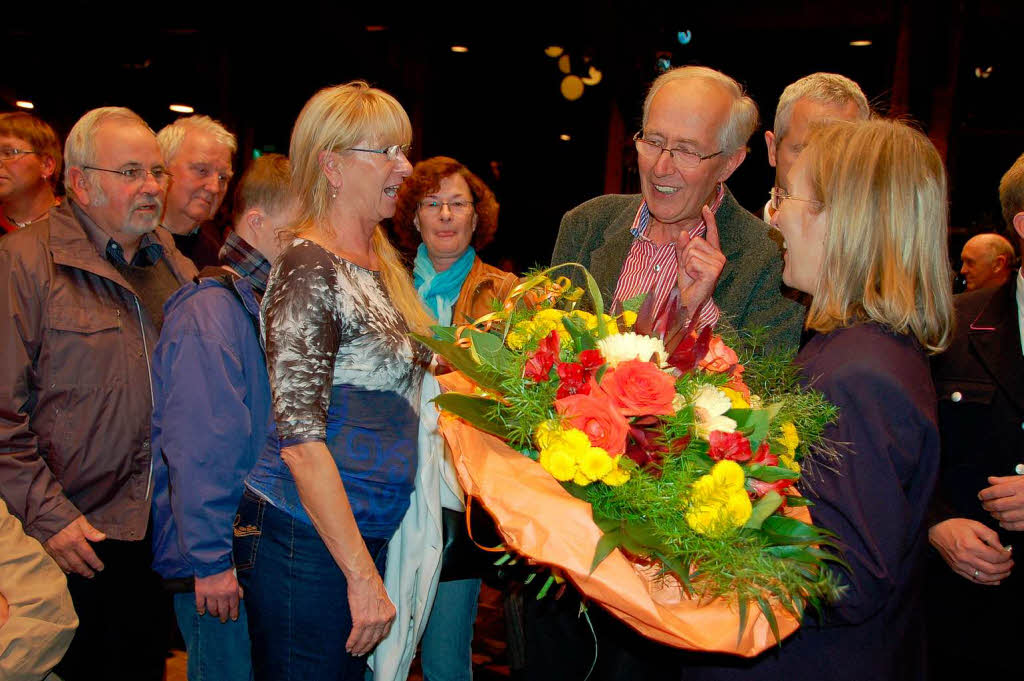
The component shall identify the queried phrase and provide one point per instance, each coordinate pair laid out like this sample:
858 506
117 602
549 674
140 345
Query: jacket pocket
953 393
248 528
85 346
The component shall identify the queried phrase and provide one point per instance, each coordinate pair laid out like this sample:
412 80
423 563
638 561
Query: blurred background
539 99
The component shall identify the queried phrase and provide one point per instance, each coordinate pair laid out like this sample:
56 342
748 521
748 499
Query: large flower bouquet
634 457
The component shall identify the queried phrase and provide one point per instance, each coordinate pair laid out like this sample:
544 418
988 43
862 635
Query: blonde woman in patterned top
334 482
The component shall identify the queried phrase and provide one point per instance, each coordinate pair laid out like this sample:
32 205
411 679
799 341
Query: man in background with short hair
81 306
198 151
977 517
816 97
30 167
987 261
210 422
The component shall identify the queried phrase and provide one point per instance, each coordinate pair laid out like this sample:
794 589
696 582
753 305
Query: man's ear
254 220
1018 225
769 141
732 163
79 186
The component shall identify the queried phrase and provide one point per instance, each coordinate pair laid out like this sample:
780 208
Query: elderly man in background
198 152
210 422
81 306
30 163
978 514
812 98
987 261
696 123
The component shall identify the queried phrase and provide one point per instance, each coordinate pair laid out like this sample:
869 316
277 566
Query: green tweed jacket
749 291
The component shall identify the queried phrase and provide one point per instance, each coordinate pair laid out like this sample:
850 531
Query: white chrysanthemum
723 424
712 400
622 347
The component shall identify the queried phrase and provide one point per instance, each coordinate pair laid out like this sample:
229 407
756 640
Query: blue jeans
296 597
216 651
446 651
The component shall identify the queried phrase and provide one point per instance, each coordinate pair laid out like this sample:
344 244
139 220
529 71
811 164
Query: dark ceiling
497 106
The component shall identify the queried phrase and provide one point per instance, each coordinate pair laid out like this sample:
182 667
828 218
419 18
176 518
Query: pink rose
596 416
640 388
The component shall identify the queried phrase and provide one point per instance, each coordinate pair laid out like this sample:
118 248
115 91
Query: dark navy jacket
876 500
211 414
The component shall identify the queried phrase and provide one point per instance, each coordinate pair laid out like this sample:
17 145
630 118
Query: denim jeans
216 651
446 651
296 596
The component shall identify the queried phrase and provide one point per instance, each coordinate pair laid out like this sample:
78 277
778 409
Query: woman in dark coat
863 216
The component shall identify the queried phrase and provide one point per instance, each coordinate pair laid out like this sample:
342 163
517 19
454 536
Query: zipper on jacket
152 398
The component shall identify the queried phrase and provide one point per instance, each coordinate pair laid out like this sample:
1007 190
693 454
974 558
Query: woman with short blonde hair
863 217
324 500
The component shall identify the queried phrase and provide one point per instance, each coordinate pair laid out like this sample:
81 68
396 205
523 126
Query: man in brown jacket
81 297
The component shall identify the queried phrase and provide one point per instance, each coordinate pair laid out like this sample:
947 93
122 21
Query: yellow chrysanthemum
789 462
718 501
617 477
545 432
738 402
594 463
520 335
559 462
628 318
790 440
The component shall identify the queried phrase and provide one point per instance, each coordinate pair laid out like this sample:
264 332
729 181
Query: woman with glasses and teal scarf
446 212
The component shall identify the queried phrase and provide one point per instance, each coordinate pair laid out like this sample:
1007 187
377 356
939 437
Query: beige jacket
42 620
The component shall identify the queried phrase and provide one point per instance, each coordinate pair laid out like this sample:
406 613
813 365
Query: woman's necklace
37 218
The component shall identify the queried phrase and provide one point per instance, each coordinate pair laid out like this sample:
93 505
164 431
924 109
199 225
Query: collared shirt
240 256
149 252
651 267
766 214
1020 305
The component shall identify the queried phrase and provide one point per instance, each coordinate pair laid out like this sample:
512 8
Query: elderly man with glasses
685 240
80 312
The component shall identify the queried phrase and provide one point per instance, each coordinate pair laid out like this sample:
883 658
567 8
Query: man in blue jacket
211 418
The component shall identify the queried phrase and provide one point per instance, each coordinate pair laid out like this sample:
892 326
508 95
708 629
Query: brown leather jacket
483 284
75 393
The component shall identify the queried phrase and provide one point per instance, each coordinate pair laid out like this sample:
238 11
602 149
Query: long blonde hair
334 119
885 253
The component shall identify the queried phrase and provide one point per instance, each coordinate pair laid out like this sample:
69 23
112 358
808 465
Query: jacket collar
81 244
994 335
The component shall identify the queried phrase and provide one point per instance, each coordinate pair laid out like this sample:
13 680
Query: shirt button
1019 469
657 268
956 396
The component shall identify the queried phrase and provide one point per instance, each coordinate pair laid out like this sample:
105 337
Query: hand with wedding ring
972 550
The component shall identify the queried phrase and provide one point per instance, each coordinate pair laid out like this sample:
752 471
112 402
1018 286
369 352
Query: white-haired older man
684 238
80 312
198 152
816 97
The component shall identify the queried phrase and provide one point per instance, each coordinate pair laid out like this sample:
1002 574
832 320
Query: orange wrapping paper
518 493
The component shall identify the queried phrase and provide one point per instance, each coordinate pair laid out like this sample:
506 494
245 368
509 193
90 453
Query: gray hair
823 88
742 116
80 147
1011 191
171 136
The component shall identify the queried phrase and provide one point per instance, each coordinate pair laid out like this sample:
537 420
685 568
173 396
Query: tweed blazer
749 290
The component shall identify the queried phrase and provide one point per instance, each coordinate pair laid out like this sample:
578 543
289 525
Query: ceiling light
572 87
460 48
593 77
860 43
182 108
24 104
982 72
564 137
377 28
553 51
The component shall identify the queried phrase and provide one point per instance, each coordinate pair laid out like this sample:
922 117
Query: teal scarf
440 290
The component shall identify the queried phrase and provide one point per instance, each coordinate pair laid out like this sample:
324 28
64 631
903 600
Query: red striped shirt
651 266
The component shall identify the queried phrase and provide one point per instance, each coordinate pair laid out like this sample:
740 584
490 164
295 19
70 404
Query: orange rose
596 416
721 359
640 388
